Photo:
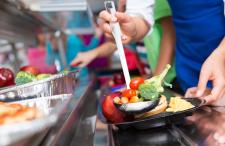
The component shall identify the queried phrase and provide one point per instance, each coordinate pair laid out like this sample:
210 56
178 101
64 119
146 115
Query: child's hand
83 59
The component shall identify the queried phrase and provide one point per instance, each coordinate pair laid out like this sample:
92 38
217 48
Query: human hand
213 69
83 59
127 25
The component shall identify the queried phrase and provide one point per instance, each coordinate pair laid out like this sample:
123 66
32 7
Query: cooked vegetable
24 77
124 100
135 82
116 100
129 93
153 87
43 76
134 99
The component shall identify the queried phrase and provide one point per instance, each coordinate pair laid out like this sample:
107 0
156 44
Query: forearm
104 50
167 45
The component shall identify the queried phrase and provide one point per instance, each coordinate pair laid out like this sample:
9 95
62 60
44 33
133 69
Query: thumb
202 83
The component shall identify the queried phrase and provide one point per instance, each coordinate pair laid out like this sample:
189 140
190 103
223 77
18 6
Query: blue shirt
200 27
74 45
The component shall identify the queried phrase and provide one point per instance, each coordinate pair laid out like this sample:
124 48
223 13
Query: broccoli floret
43 76
24 77
153 87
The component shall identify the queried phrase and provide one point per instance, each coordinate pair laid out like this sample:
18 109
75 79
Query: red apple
6 77
109 110
30 69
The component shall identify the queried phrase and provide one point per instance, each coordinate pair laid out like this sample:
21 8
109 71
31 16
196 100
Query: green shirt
152 41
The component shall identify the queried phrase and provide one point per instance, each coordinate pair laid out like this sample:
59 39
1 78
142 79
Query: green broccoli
24 77
153 87
43 76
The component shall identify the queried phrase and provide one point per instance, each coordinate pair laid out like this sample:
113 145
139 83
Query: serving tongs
138 107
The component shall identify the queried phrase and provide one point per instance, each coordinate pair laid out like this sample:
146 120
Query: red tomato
129 93
30 69
135 82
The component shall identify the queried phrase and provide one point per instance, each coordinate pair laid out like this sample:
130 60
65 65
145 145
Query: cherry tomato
30 69
135 82
129 93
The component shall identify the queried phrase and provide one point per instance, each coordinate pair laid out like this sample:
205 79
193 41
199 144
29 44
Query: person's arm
135 23
213 69
167 45
84 58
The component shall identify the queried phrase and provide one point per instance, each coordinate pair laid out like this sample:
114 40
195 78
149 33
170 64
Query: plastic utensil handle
110 7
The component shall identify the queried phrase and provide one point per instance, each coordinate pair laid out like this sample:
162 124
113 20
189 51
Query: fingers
191 92
216 91
107 29
122 17
77 62
203 80
106 16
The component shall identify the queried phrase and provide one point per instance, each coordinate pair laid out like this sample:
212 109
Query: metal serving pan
55 85
51 107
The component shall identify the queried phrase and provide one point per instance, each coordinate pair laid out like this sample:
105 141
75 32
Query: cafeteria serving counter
206 127
78 125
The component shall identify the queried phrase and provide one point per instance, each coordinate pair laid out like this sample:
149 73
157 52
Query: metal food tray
51 107
55 85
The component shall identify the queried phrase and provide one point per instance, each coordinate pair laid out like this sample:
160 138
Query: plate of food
144 105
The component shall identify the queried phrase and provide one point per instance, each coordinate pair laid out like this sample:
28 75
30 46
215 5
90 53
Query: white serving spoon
110 7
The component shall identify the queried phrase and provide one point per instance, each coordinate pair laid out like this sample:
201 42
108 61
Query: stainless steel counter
76 123
76 126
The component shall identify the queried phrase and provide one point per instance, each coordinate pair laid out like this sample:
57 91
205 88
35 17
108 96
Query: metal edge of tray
19 131
57 76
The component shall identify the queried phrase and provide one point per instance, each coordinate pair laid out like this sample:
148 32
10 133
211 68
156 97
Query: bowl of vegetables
143 95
